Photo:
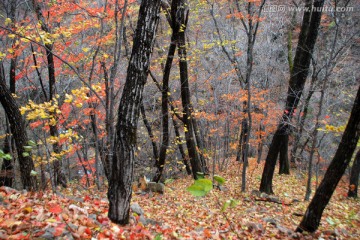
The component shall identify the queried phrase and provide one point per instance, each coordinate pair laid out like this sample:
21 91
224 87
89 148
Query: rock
284 230
135 207
256 193
143 220
270 220
254 227
78 209
155 187
250 210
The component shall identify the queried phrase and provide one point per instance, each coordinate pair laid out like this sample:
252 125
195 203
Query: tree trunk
335 171
149 130
18 130
299 73
59 176
185 91
354 177
180 145
160 162
119 192
7 168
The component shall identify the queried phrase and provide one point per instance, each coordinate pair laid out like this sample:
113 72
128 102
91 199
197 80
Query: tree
354 177
335 171
299 73
59 176
182 19
18 130
119 192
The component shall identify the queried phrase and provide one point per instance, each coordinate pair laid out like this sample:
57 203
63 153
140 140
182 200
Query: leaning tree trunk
335 171
354 177
18 130
119 192
299 73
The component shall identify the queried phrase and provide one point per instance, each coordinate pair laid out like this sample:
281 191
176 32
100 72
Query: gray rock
284 230
270 220
135 207
143 220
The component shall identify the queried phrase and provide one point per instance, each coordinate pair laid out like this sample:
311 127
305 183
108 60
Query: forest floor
76 213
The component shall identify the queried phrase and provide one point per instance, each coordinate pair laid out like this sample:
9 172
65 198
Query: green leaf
7 157
158 237
28 148
25 154
196 190
233 203
205 183
200 187
225 205
219 179
33 173
31 143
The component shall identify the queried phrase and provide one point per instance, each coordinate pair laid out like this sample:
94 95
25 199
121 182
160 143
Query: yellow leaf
7 21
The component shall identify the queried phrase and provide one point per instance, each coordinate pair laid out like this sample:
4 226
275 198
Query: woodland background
70 100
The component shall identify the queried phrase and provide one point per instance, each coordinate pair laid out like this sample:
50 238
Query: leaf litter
77 213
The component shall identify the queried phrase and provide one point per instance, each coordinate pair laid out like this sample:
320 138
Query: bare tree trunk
149 130
59 176
335 171
119 192
314 141
185 91
307 40
160 162
18 130
354 177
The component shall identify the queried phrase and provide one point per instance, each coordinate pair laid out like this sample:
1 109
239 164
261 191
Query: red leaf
55 209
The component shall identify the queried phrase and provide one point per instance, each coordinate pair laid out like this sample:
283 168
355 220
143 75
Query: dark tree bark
149 130
299 73
119 192
185 91
7 174
180 145
7 168
354 177
59 176
335 171
18 130
165 108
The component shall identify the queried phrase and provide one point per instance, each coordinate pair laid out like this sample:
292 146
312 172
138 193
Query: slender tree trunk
185 91
299 73
301 123
149 130
119 192
335 171
180 145
160 162
59 176
354 177
314 142
18 130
